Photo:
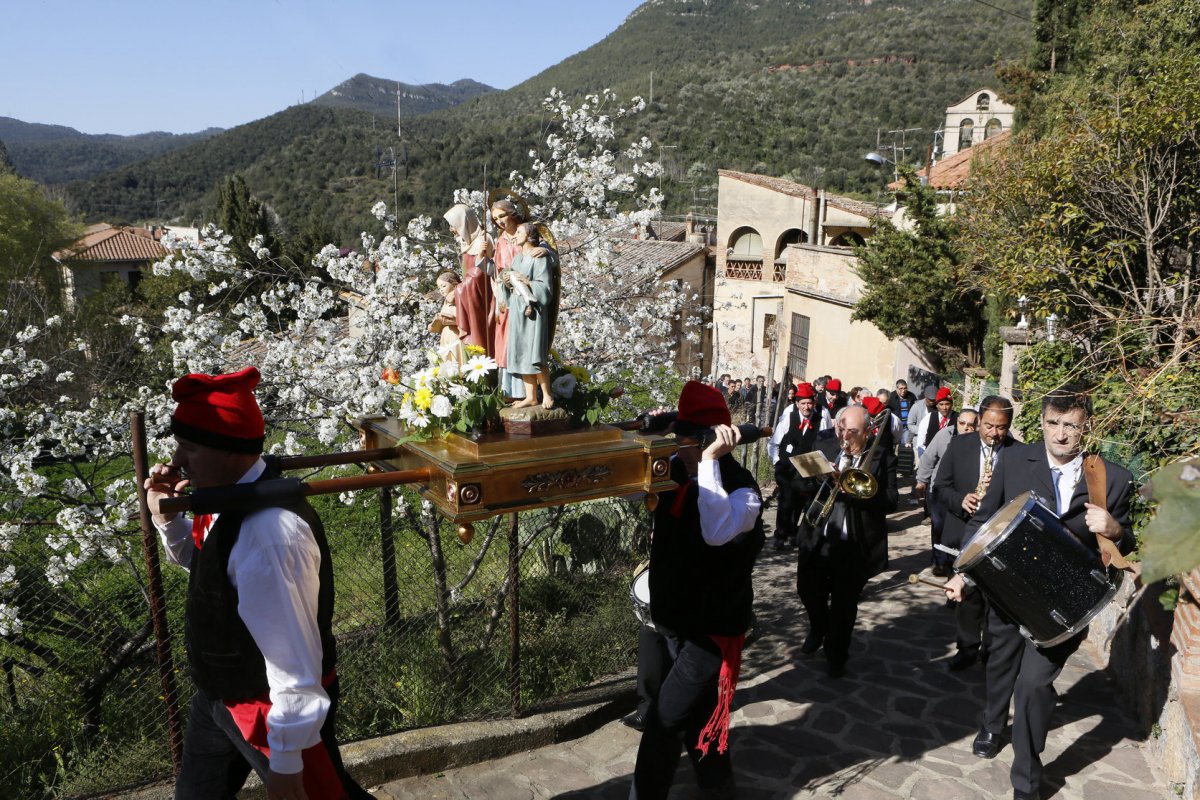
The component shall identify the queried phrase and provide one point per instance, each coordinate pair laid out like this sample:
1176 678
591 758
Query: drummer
707 533
1054 469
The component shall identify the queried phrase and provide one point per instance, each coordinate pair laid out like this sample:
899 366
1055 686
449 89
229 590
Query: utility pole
651 87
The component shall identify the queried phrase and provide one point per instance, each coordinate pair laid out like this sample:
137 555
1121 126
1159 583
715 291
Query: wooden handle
329 459
915 579
283 491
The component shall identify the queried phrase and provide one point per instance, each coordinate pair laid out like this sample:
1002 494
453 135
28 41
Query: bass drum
639 595
1032 568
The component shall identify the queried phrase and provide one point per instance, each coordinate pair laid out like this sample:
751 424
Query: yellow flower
581 374
422 399
406 398
474 350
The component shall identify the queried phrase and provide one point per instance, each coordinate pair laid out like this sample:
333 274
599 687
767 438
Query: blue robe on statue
529 338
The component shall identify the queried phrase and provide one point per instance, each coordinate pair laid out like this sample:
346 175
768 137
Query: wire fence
423 620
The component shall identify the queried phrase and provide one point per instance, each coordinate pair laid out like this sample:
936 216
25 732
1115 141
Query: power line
1004 10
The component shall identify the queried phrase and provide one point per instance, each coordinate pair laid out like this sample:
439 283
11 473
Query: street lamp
878 159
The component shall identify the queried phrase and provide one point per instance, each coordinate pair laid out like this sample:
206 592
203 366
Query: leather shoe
940 571
986 744
812 644
1019 795
962 659
635 721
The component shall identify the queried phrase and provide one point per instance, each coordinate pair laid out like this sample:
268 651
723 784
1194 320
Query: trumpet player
845 545
962 479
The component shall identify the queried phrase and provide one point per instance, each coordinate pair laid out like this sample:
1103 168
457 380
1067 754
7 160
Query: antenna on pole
651 87
399 130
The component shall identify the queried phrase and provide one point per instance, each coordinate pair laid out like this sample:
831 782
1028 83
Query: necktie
200 525
804 425
942 422
1055 474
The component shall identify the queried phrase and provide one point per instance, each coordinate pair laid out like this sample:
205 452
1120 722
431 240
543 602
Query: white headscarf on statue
465 223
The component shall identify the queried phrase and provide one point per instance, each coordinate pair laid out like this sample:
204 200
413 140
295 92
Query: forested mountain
58 154
368 93
794 88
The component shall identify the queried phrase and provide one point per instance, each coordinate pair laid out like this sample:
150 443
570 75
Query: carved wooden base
480 477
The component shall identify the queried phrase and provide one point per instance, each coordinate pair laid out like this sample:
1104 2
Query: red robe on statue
476 308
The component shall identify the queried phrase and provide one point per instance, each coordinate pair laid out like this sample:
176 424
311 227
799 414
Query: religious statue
476 320
446 322
529 288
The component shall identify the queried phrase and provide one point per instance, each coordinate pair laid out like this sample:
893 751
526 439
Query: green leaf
1171 541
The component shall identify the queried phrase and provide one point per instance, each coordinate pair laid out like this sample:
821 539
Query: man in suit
963 476
795 433
838 556
927 470
1017 667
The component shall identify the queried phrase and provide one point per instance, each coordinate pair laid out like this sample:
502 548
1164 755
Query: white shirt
723 516
275 567
1068 479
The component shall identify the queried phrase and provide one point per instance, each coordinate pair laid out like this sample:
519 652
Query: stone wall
1153 660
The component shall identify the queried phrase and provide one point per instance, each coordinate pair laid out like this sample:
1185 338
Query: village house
979 116
111 253
785 268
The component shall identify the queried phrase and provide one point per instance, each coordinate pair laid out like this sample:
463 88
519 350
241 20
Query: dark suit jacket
957 476
866 520
1026 467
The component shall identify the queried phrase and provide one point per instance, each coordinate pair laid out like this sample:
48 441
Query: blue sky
131 66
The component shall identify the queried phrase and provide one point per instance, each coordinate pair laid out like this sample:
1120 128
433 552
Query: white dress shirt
1068 479
723 516
275 567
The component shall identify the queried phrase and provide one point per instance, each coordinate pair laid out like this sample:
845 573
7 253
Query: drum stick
915 579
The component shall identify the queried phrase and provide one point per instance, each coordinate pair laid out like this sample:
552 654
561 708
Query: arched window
966 134
793 236
848 239
993 127
983 102
746 242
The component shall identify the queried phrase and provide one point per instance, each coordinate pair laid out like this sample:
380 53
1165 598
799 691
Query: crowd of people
261 588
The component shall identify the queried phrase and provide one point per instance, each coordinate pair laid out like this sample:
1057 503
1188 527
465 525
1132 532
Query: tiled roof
953 171
860 207
639 252
784 186
664 230
114 244
767 182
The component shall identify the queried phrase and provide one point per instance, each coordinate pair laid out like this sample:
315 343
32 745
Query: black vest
225 661
697 589
933 429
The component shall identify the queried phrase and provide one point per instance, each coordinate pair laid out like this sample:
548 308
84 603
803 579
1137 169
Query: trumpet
856 482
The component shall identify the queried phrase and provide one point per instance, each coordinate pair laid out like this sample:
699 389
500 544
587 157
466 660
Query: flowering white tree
63 527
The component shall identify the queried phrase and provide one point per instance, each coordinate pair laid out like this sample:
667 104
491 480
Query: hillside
58 154
795 88
378 95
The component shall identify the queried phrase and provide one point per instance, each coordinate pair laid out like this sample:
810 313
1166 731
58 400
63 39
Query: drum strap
1094 474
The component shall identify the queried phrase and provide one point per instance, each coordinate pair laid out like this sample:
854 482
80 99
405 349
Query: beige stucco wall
967 109
823 286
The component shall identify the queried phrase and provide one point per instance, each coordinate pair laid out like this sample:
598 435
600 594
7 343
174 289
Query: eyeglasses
1070 428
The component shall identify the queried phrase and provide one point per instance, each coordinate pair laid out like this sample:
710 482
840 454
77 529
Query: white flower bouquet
447 397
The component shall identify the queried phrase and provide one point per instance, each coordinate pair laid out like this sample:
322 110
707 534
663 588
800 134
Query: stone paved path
898 725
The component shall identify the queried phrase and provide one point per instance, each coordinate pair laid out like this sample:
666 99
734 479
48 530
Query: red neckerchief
200 525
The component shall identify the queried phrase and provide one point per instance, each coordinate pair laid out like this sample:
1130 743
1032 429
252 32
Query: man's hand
954 588
970 503
727 439
281 786
165 481
1099 521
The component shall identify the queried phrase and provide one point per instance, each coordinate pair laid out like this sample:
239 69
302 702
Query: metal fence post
514 609
387 558
158 612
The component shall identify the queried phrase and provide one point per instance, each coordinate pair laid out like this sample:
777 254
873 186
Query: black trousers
684 704
1020 671
652 663
937 523
217 760
792 503
970 616
830 580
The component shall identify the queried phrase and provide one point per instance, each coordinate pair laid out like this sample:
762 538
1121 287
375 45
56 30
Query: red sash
321 781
